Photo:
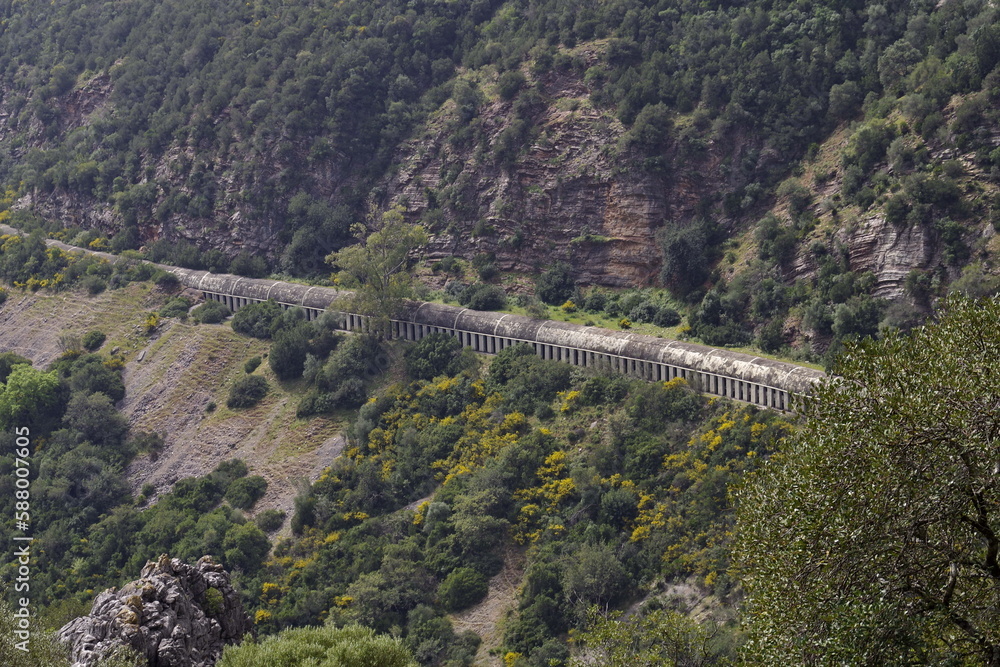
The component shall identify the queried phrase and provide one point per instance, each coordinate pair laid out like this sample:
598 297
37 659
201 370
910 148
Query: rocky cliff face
562 200
570 192
573 194
891 253
174 615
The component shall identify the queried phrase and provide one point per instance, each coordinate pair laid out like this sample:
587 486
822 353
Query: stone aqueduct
764 382
742 377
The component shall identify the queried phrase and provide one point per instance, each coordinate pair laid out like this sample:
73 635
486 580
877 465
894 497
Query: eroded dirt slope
171 377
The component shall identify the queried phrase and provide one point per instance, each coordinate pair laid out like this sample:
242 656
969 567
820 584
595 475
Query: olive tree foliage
351 646
376 266
873 538
659 638
43 649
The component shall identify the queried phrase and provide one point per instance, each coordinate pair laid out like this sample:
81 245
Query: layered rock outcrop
891 252
566 196
174 615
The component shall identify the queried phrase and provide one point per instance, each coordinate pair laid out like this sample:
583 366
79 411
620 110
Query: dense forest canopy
192 108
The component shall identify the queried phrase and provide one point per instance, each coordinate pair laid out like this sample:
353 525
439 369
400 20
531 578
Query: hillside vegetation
794 174
785 177
460 476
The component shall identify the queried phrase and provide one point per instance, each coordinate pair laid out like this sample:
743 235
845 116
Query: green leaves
873 538
376 267
28 394
659 637
351 646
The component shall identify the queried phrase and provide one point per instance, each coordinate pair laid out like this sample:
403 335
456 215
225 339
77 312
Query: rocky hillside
569 193
170 378
794 174
470 511
567 131
174 614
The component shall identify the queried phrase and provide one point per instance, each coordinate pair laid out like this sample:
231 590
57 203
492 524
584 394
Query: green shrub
270 520
350 394
651 129
595 575
449 264
245 264
485 265
817 317
257 319
247 392
7 362
433 355
595 301
556 285
166 280
245 547
771 336
287 357
799 197
535 625
177 307
358 358
94 415
666 317
92 340
455 289
45 649
211 312
213 602
859 316
868 145
93 284
89 374
480 296
545 412
246 491
776 242
525 380
603 389
643 313
652 405
251 365
510 83
461 589
687 254
618 507
353 645
229 471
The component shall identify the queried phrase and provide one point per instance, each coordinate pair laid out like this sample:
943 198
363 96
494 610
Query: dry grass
31 323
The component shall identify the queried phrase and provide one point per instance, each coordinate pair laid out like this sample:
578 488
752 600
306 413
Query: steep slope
170 378
511 129
794 174
563 195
